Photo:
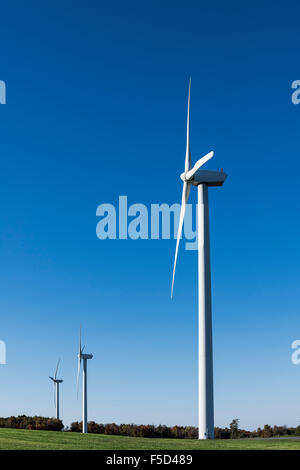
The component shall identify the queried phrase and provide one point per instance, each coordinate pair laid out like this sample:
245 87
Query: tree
297 430
76 426
267 431
234 429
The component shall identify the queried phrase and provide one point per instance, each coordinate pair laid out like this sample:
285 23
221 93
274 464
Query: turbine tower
84 358
56 383
202 179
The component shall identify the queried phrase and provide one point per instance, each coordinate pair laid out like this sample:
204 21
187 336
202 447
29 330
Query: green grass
14 439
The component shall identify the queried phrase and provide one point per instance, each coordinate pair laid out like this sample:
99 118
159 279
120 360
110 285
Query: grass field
17 439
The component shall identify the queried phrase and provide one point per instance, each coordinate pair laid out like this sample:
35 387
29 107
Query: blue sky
96 108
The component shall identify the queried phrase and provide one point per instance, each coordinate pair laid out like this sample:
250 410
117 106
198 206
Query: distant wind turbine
56 383
202 179
84 358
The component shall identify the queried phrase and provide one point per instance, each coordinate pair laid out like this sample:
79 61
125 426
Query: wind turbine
56 383
84 358
193 176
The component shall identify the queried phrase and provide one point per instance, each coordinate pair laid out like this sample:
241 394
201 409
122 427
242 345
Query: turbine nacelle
58 381
86 356
209 177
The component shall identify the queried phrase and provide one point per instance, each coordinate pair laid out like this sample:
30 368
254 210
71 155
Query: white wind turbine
56 383
202 179
84 358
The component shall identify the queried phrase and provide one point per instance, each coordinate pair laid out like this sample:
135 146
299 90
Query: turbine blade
57 368
79 340
78 373
51 378
188 162
185 195
189 175
54 395
78 362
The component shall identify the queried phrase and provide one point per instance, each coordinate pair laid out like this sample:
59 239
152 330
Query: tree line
233 431
39 423
138 430
183 432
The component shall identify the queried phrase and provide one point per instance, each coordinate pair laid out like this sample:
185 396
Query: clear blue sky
96 108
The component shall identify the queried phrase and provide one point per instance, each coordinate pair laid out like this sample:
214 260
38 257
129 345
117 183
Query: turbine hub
183 177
